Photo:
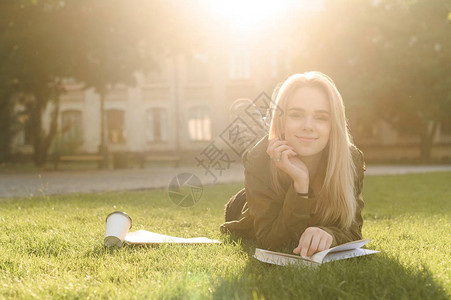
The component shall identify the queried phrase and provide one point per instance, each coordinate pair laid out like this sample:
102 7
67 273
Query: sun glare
244 17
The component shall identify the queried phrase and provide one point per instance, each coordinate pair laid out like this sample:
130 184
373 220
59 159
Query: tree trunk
48 140
42 141
35 111
103 150
6 130
426 142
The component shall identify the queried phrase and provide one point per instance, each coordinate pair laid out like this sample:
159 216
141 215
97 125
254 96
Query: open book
143 237
348 250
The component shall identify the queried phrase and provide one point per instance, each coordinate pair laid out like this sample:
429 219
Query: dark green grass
51 247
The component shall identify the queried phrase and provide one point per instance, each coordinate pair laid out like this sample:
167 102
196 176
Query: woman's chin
307 152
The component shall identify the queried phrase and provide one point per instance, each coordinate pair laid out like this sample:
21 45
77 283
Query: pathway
65 182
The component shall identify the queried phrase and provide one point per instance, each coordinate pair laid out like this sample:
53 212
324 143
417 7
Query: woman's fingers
314 244
304 243
329 242
323 245
313 240
302 240
273 145
298 249
276 147
287 153
281 150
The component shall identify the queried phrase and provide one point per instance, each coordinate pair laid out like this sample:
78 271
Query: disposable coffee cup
118 223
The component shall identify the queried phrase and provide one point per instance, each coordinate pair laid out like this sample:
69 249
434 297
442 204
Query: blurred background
110 80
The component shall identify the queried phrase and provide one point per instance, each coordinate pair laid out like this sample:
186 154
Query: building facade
184 104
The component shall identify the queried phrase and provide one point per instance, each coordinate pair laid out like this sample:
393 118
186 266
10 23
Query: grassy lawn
51 247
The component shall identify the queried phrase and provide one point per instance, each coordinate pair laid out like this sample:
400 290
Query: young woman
303 181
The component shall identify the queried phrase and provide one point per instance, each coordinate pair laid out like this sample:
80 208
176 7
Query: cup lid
122 213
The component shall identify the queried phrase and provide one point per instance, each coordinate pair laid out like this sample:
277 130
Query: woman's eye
294 116
322 118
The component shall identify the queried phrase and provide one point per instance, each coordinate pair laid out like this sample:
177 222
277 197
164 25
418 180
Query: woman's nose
307 124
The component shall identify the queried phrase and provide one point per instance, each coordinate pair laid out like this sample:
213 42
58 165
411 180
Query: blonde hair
336 200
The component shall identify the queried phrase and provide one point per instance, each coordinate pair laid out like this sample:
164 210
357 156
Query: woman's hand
285 159
313 240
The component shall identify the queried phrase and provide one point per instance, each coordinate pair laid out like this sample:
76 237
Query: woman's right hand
285 159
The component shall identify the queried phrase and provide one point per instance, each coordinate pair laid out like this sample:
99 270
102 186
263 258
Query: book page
350 245
347 254
319 257
147 237
281 259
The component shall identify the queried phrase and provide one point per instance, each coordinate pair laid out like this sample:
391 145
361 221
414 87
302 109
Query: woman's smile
306 138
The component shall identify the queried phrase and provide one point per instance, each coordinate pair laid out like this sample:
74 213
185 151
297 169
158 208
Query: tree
98 42
390 60
115 43
6 124
420 65
33 65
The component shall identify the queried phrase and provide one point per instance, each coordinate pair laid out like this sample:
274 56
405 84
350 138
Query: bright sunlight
243 17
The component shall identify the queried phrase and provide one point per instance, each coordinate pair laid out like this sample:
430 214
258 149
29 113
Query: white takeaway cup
117 225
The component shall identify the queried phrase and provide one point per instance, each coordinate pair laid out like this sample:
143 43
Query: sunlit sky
243 17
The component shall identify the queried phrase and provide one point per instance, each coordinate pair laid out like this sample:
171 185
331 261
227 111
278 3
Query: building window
71 125
239 64
156 125
116 126
199 124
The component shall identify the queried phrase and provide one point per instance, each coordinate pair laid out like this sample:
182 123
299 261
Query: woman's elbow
270 242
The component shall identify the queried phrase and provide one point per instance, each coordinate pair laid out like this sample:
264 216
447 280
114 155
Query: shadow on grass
371 277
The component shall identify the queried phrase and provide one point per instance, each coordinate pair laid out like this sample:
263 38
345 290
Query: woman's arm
278 221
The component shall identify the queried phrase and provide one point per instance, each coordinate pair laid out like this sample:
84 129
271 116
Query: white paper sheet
147 237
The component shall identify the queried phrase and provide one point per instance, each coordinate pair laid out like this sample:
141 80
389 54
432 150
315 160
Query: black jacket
278 220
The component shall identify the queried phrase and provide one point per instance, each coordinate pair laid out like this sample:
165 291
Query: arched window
199 124
72 125
116 126
156 125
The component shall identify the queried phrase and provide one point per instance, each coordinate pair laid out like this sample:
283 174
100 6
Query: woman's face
307 121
